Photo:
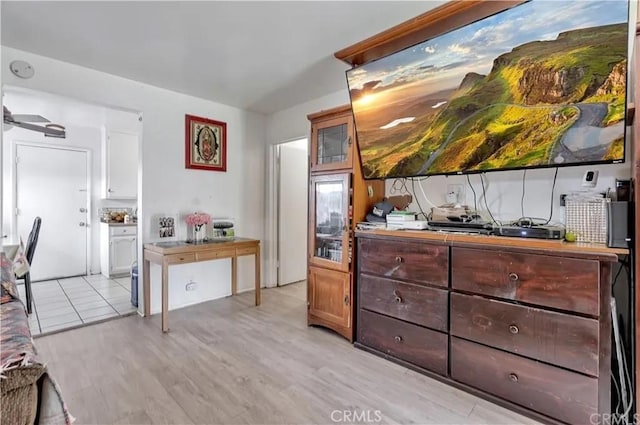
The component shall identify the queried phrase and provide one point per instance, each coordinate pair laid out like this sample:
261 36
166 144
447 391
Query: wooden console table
167 253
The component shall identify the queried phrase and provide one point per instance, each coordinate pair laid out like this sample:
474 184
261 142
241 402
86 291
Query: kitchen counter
116 223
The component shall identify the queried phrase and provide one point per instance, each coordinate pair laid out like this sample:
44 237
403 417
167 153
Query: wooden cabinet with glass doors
338 199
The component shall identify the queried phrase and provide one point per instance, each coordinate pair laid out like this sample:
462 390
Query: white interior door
52 184
293 222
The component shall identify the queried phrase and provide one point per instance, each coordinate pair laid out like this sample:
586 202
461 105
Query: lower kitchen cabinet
118 248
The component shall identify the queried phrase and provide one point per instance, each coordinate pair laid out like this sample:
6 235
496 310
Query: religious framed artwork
205 144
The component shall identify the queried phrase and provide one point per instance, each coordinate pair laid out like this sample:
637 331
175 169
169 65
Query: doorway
65 181
293 223
53 183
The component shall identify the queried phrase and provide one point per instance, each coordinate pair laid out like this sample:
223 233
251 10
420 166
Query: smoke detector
22 69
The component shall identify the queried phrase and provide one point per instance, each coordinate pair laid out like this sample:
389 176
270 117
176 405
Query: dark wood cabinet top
574 249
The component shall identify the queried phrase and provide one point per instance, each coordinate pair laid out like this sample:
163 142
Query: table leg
146 287
258 275
234 275
165 296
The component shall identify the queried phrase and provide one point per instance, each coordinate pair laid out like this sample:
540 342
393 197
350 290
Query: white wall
167 187
504 190
290 124
84 126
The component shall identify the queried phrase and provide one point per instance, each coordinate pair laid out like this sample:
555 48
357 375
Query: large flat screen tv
542 84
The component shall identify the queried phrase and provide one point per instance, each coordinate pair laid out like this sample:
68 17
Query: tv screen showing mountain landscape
542 84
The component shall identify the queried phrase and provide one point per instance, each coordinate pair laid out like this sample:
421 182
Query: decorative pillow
8 290
20 263
10 251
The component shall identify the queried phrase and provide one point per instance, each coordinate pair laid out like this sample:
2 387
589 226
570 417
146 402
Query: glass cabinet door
329 230
331 144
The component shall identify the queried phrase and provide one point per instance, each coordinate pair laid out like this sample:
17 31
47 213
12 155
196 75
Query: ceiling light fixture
22 69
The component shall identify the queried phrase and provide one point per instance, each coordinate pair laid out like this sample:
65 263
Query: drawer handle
399 259
398 298
514 329
513 277
397 339
346 299
181 258
513 377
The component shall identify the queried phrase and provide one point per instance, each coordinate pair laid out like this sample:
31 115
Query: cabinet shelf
330 237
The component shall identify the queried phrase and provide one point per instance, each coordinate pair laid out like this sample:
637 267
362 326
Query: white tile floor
66 303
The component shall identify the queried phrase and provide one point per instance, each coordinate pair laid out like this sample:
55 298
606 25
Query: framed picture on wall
205 144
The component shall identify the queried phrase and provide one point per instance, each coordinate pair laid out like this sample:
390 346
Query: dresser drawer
413 303
122 230
416 262
213 255
556 338
180 258
417 345
566 396
558 282
246 251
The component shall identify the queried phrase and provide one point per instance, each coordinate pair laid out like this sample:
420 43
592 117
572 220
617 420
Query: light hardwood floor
229 362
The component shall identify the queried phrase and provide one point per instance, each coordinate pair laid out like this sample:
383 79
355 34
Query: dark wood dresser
524 323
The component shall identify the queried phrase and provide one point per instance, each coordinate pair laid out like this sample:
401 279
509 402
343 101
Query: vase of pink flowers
196 226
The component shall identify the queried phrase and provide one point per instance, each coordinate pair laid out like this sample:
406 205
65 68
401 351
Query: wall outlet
455 194
191 286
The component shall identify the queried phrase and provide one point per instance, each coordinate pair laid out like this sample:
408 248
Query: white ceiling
262 56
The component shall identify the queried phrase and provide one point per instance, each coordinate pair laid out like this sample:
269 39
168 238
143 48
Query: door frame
89 194
272 206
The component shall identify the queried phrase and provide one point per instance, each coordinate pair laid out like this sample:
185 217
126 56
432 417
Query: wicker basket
586 216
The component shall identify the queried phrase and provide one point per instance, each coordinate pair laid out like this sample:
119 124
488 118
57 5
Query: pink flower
198 219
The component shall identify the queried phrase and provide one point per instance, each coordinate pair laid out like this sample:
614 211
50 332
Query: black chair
31 249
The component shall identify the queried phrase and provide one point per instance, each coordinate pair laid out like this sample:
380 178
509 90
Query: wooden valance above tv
430 24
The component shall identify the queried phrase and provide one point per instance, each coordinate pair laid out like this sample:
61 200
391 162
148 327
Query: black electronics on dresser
536 232
618 224
623 190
